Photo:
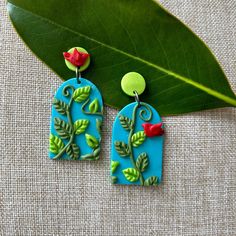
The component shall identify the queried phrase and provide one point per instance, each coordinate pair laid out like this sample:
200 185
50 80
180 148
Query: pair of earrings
77 114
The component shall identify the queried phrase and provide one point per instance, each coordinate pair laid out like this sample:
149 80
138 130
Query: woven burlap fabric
43 197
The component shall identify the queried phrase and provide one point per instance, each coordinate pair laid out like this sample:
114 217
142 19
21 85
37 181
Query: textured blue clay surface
94 116
152 146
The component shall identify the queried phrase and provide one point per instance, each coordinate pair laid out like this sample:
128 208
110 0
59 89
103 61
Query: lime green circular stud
131 82
82 68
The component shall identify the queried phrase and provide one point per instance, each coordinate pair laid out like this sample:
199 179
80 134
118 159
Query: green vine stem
96 151
90 113
66 93
142 114
92 156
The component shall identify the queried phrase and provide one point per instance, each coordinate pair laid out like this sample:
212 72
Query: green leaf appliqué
131 174
114 165
80 94
114 179
62 128
151 181
138 138
125 122
94 106
142 162
91 141
80 126
60 106
55 144
122 148
73 151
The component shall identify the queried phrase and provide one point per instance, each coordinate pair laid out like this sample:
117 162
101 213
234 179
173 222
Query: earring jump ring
137 98
78 75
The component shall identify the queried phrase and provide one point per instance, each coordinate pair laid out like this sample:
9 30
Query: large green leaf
126 122
181 73
63 129
81 125
55 144
60 106
138 138
73 151
122 148
131 174
142 162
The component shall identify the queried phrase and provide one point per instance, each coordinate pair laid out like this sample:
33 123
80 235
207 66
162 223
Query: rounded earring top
133 83
77 57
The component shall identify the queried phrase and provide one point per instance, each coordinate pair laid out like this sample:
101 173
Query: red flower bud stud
153 130
76 58
137 139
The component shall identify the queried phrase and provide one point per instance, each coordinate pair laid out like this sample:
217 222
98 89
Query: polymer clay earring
77 114
137 139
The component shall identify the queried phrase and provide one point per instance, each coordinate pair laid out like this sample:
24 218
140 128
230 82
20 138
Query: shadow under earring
137 139
77 114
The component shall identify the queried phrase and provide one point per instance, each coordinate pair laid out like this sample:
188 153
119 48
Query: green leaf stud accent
114 165
55 144
131 82
126 122
138 138
80 94
94 106
122 148
131 174
60 106
62 128
73 151
151 181
80 126
142 162
91 141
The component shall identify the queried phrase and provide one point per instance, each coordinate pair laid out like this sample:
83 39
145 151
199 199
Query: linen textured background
43 197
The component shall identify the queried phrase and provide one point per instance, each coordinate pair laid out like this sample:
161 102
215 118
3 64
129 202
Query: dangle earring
137 139
77 114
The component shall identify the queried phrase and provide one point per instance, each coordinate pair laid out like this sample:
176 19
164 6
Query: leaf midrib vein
204 88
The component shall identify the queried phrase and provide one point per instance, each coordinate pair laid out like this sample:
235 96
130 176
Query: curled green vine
66 93
130 143
141 113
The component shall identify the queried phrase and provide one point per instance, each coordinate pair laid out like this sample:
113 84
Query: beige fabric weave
43 197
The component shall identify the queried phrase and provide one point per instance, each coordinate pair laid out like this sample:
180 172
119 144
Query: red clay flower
76 58
153 130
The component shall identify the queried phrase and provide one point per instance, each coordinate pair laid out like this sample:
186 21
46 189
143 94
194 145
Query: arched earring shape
77 114
137 139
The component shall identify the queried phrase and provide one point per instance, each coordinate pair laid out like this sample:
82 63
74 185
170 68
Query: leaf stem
90 113
130 145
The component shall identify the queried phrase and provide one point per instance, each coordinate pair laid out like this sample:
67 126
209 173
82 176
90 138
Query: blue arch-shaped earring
137 145
76 120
